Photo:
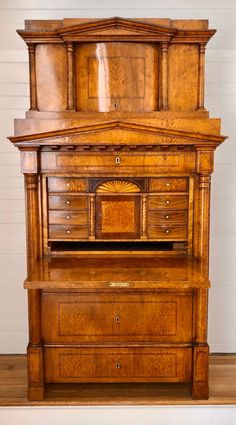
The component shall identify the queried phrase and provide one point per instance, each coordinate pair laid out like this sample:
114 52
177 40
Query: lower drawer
84 318
118 364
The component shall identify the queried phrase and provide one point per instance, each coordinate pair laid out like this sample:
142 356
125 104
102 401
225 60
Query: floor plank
13 388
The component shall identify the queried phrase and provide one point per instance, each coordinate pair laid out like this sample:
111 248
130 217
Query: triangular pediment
116 132
117 26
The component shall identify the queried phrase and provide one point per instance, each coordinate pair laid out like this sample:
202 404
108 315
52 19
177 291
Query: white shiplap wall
220 100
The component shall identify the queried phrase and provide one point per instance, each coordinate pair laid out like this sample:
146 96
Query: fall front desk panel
118 319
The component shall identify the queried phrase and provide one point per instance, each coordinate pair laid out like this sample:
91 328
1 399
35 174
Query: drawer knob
68 231
117 318
167 231
67 184
68 217
118 160
68 202
117 365
167 217
168 184
167 202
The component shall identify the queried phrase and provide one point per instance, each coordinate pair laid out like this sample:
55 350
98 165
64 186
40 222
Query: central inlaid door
118 210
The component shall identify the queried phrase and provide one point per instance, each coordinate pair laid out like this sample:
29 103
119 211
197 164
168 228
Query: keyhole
118 160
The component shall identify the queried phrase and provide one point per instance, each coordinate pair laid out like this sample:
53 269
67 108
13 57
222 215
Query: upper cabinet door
117 77
118 216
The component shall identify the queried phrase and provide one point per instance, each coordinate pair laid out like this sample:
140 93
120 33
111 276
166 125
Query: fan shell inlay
118 186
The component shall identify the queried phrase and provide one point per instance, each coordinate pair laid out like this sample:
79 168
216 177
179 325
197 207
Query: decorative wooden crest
115 29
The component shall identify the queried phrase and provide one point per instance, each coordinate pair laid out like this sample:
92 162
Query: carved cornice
123 131
116 29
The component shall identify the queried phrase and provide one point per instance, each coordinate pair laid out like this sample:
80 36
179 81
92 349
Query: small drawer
68 217
165 184
60 184
68 202
170 232
161 217
67 232
171 202
118 364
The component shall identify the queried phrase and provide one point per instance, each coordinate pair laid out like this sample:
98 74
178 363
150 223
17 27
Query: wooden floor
13 383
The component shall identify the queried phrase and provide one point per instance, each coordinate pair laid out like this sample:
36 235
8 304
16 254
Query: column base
36 393
200 392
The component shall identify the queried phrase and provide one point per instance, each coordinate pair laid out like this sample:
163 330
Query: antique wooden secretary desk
117 153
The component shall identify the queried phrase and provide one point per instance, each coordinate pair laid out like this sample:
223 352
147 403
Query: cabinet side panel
183 77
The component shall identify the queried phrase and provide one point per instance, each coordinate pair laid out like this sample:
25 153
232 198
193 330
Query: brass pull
118 365
167 217
67 184
167 231
118 160
168 184
68 217
167 202
68 231
68 202
117 318
118 284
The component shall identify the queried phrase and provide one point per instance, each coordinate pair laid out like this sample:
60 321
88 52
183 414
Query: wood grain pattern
116 77
117 365
159 317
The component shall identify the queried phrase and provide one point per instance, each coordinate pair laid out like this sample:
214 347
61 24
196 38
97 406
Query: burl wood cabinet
117 152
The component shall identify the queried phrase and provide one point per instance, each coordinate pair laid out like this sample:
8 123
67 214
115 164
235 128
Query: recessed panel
118 216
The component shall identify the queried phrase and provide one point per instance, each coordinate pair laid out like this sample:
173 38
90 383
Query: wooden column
92 217
32 77
144 217
201 76
70 77
35 349
164 75
204 219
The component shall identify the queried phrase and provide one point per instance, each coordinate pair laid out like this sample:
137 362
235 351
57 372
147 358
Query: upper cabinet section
115 64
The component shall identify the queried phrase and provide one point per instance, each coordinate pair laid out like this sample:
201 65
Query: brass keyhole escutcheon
117 318
117 365
118 160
